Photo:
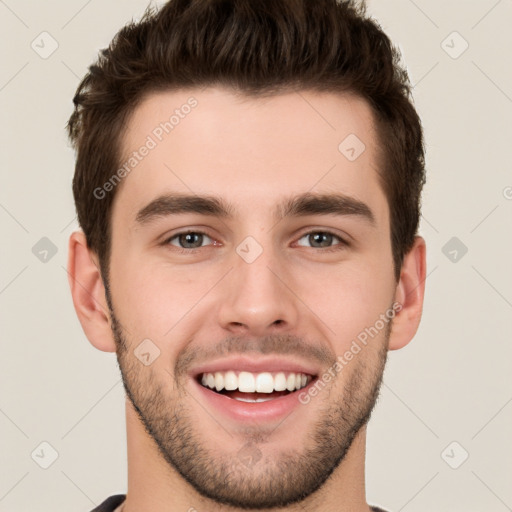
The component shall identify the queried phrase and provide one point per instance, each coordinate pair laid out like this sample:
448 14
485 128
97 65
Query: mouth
253 397
253 390
252 387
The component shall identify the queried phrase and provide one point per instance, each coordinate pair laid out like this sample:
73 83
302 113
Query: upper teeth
247 382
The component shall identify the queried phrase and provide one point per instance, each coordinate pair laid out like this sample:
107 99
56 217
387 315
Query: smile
248 387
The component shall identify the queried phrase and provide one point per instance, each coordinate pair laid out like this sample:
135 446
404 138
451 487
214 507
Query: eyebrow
297 206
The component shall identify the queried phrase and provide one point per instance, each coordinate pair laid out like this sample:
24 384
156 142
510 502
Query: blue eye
190 241
323 240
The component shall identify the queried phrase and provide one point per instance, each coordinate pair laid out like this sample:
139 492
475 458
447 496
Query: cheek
349 299
156 299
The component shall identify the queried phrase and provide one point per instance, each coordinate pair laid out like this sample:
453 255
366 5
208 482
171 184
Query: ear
88 293
409 293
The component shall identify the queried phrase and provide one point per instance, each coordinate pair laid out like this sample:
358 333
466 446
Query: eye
188 240
323 240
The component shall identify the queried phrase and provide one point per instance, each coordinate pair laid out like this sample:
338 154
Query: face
251 283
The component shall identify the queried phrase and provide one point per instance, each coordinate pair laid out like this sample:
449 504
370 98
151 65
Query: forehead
251 151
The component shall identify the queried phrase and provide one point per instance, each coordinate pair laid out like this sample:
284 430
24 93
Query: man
248 183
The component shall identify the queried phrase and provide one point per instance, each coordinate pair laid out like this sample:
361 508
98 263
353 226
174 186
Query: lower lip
269 410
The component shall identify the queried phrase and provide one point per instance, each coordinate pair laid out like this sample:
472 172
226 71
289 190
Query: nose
257 298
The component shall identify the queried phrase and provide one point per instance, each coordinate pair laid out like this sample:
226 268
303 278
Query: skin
295 300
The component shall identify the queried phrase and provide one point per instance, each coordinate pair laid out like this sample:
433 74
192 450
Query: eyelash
181 250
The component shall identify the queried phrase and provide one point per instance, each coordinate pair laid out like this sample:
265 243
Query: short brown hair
256 47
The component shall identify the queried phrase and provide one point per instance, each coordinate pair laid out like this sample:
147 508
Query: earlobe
88 293
409 294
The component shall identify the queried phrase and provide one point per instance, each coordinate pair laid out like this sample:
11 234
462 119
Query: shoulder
110 504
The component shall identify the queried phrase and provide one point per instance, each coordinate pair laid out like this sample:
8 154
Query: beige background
452 383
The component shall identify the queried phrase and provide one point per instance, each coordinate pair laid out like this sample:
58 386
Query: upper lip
259 365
